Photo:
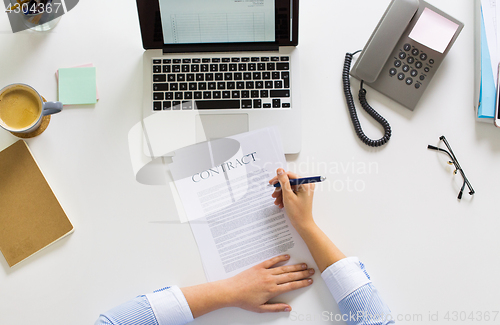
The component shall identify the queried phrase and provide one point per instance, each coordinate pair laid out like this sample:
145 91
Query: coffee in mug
22 108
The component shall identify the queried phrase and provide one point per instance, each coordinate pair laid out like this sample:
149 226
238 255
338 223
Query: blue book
487 95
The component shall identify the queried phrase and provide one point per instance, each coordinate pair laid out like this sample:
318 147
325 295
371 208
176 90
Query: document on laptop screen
217 21
224 189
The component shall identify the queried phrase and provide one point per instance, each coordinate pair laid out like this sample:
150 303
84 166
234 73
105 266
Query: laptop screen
206 25
217 21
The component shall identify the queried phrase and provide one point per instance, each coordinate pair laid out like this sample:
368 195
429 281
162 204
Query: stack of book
487 57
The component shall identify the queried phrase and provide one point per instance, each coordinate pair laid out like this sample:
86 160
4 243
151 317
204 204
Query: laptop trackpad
215 126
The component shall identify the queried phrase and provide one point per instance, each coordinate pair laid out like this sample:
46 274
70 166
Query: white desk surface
394 207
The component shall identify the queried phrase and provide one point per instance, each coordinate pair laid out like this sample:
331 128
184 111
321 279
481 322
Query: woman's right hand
297 200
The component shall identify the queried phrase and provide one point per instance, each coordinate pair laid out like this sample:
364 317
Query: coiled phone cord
362 99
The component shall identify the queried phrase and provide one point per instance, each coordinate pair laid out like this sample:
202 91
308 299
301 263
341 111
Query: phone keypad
411 66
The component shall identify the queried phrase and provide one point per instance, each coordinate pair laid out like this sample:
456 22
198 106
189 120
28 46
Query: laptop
217 68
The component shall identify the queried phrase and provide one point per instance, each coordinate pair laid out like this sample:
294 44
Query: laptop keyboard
221 83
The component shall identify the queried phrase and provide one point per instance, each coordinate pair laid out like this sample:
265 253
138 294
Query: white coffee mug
22 108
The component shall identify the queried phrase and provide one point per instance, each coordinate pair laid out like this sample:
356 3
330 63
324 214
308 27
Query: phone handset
384 38
371 61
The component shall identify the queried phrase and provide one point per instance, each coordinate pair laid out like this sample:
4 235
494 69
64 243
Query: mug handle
51 108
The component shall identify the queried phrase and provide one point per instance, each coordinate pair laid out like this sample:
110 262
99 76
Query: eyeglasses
454 161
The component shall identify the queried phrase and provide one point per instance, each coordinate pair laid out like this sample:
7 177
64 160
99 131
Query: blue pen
305 180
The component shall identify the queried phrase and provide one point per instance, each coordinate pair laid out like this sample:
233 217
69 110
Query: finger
278 199
294 285
289 268
308 187
279 202
297 189
300 188
292 175
278 195
274 180
293 276
303 190
284 181
275 260
277 192
274 308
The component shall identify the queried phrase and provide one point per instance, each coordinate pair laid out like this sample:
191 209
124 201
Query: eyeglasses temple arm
454 160
439 149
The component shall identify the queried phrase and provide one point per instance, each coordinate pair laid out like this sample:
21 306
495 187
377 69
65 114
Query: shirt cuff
170 306
345 276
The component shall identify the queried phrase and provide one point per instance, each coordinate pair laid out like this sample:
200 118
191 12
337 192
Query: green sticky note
77 86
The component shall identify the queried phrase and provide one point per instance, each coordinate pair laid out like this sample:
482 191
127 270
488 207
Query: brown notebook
31 218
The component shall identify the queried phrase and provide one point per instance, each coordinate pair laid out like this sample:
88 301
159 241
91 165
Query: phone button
402 55
418 64
414 52
423 56
401 76
410 59
393 71
409 81
417 85
407 47
413 73
406 68
397 63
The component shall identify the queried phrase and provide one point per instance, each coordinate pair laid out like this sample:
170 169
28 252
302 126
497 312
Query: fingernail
310 281
288 309
287 256
311 271
280 171
303 266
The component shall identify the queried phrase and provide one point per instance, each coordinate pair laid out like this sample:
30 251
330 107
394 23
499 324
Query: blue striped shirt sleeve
166 306
135 311
358 299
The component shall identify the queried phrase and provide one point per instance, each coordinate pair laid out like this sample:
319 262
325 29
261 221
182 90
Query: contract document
223 185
